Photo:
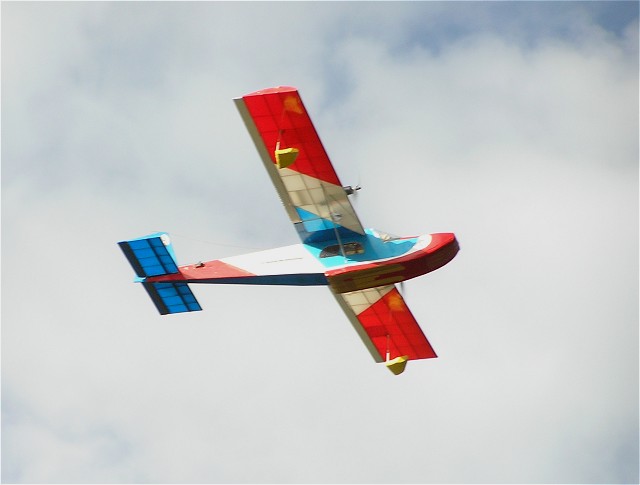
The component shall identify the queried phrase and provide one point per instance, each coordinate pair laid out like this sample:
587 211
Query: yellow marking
396 303
291 103
375 280
368 278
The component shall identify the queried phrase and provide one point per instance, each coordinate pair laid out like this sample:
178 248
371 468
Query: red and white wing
297 163
385 324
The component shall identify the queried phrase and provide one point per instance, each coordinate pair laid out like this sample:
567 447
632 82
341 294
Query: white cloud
517 134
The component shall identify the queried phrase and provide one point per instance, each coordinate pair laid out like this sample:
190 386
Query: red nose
440 240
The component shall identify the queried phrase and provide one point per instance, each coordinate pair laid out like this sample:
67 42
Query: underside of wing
385 324
298 164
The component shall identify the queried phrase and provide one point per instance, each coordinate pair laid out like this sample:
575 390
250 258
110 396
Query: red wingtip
277 89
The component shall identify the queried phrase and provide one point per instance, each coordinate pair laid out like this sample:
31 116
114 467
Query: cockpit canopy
384 236
350 249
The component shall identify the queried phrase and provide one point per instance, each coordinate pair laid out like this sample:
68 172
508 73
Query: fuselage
348 263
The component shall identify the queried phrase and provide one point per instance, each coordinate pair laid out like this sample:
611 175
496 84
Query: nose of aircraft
442 249
441 239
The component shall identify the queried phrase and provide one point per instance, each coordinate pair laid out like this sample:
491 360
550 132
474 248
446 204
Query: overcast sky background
513 125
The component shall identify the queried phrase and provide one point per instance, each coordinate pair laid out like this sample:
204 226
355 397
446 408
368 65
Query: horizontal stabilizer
153 256
172 297
150 255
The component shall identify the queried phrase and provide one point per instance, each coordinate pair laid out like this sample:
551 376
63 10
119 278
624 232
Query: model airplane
360 266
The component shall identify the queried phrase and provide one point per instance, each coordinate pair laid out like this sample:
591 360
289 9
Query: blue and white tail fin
152 256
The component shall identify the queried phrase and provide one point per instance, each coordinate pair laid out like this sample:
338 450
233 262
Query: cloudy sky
513 125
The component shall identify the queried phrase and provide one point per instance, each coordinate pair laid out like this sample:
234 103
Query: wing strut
398 364
334 224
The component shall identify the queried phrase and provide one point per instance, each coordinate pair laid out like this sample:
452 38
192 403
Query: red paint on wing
389 322
280 115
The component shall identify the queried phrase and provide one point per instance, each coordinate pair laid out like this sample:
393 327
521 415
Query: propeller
402 289
351 190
